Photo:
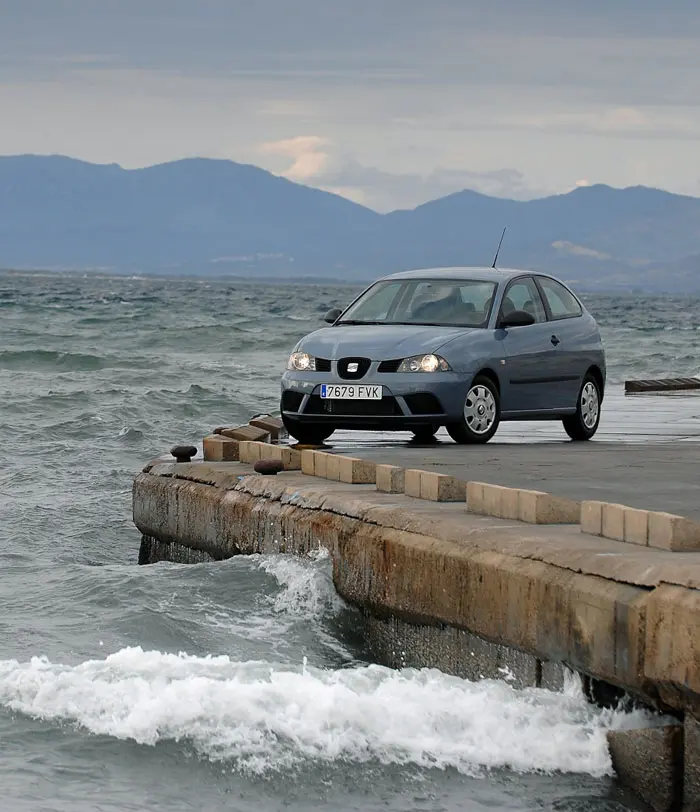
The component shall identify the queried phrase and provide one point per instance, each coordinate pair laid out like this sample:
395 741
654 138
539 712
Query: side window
522 294
562 304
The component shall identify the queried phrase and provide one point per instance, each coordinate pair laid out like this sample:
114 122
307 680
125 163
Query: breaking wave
265 717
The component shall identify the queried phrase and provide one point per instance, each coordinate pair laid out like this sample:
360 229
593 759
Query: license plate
331 391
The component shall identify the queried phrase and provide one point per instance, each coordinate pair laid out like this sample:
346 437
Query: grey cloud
418 88
385 191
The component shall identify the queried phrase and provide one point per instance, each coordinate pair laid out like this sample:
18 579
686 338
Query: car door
566 323
529 354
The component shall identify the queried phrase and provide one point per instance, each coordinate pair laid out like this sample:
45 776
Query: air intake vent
323 365
386 407
291 401
423 403
390 366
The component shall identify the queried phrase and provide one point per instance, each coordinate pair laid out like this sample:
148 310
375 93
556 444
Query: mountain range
215 217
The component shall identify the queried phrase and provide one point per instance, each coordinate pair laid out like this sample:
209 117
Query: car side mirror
333 315
517 318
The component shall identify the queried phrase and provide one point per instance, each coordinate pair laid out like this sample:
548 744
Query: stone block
220 449
510 504
650 762
493 500
606 621
357 472
672 644
592 518
249 451
536 507
390 478
308 462
442 488
251 433
290 457
636 526
333 467
272 425
691 762
320 460
675 533
613 521
475 497
412 479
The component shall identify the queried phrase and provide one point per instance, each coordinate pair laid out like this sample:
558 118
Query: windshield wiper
356 322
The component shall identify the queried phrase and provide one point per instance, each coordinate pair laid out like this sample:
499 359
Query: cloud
559 90
306 152
386 191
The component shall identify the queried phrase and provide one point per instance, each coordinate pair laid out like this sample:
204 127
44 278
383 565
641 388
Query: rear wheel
424 434
584 424
481 415
306 433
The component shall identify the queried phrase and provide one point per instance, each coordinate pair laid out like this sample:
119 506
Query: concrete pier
527 556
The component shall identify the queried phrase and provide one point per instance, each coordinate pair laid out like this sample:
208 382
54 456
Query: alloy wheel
480 409
590 405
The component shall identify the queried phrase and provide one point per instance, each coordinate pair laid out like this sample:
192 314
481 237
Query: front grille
363 365
390 366
323 365
423 403
386 407
291 401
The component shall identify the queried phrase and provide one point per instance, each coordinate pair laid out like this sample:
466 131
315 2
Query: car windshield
439 302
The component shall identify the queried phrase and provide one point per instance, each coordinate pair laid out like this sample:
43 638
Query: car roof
481 273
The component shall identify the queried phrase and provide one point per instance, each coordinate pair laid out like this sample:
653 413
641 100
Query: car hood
378 342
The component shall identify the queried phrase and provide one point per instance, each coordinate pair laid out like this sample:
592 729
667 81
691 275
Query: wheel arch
489 373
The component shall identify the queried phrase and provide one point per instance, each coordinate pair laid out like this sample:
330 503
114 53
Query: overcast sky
389 102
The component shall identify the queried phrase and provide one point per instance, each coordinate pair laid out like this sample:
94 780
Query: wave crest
264 717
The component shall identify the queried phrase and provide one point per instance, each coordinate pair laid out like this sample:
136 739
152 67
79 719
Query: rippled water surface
241 685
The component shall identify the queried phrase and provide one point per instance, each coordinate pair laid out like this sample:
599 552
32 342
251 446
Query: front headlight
301 362
424 363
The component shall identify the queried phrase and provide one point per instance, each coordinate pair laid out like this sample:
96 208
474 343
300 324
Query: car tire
306 433
481 414
425 434
584 424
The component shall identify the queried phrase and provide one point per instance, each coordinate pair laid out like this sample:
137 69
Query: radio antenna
498 250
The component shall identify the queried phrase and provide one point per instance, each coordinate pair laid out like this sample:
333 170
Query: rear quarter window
562 303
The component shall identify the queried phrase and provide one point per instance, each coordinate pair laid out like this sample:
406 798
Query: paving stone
636 526
220 449
357 472
543 508
592 518
670 532
613 521
390 478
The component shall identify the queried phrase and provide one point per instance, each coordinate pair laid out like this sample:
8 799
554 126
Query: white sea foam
262 716
307 584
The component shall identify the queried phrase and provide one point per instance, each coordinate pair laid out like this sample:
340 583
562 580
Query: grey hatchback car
462 348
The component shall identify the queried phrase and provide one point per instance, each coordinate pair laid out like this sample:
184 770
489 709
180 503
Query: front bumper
409 400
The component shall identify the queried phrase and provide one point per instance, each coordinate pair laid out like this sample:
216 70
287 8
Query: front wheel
306 433
481 414
584 424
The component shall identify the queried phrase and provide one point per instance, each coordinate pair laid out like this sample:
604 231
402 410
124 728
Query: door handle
554 340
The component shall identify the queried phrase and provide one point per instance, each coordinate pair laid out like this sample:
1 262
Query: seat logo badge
353 367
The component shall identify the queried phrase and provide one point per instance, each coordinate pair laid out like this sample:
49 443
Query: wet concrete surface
646 454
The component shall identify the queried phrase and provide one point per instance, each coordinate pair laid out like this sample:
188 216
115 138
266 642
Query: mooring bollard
268 467
183 453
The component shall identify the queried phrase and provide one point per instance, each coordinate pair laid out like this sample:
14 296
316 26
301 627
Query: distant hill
209 216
